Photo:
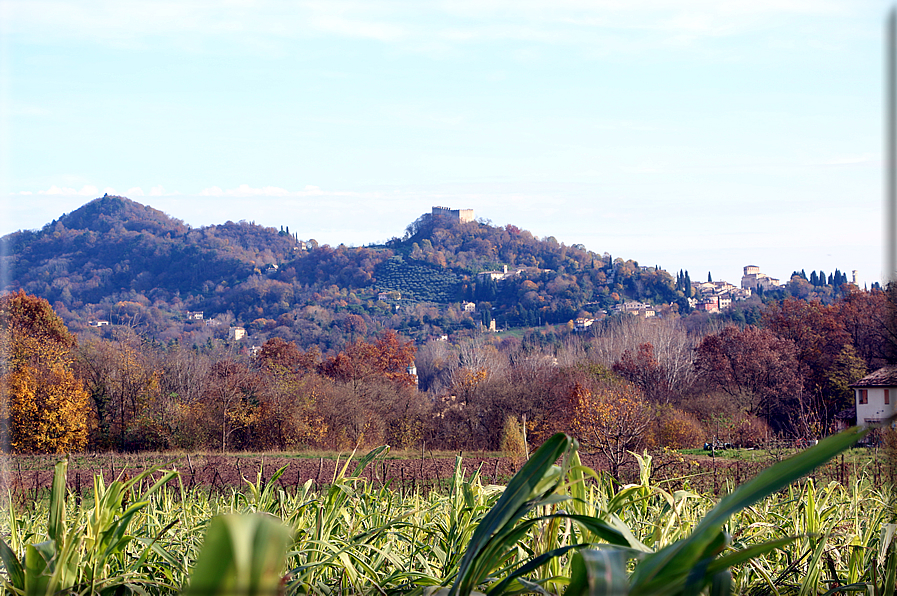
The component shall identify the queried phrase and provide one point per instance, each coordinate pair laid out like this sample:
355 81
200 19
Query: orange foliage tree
47 407
372 397
611 417
387 358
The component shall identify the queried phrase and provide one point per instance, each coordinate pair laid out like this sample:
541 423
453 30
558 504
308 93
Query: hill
117 260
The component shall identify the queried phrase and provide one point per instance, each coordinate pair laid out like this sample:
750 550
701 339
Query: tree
818 333
288 417
645 372
612 418
756 369
372 393
47 408
388 358
231 399
123 381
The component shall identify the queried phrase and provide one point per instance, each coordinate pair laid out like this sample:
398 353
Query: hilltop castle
462 215
753 279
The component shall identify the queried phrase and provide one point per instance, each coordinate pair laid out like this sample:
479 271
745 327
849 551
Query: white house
875 394
581 324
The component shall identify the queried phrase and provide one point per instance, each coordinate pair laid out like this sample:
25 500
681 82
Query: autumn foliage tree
756 369
611 417
824 349
372 395
288 399
123 380
47 407
643 370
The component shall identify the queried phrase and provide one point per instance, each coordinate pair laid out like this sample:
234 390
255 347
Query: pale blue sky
700 135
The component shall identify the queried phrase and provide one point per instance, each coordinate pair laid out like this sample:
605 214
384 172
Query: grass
856 455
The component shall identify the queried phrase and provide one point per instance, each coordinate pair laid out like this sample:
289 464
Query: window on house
887 396
864 396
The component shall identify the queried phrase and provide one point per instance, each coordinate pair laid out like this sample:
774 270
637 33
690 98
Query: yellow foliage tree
47 410
46 406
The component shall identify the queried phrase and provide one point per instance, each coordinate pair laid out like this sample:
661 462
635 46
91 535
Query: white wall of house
875 408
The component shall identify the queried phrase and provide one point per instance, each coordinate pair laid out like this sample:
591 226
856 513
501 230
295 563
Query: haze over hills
120 261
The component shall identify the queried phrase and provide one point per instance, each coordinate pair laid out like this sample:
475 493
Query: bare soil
225 472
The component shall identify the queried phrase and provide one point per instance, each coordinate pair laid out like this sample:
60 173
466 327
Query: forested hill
115 247
115 259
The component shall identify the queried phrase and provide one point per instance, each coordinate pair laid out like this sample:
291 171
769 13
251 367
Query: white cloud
85 191
157 191
214 191
134 192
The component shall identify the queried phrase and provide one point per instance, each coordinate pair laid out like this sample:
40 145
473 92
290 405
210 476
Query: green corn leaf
742 556
159 483
14 542
857 587
531 566
721 583
890 583
37 571
56 524
599 572
13 566
601 529
241 554
371 456
655 570
510 507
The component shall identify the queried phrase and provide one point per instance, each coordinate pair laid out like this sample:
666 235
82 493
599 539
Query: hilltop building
753 279
462 215
636 308
716 296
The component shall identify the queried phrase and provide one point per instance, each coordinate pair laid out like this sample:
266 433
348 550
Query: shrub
677 430
750 431
512 442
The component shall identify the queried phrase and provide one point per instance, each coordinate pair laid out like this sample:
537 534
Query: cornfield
558 527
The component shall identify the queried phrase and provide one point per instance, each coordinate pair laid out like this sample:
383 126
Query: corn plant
242 554
558 527
702 560
88 553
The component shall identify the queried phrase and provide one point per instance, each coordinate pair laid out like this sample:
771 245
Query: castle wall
462 215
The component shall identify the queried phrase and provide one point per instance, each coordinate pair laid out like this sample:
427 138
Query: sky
690 134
